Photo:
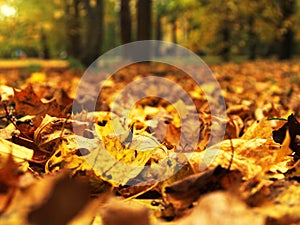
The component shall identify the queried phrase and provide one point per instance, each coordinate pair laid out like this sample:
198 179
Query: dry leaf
222 208
120 213
183 193
28 103
63 205
20 154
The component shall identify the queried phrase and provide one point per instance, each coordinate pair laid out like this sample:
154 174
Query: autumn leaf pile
87 166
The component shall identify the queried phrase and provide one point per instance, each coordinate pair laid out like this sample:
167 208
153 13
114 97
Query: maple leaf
28 103
116 149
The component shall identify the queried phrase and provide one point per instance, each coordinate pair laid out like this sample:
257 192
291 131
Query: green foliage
75 63
198 25
34 67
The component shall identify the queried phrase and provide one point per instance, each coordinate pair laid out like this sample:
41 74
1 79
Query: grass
33 63
37 64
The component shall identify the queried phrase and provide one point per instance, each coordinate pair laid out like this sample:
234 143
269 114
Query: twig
12 121
142 192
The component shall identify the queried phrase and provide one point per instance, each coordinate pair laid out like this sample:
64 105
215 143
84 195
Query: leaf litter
102 167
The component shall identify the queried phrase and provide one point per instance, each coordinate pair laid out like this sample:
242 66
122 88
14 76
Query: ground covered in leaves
112 164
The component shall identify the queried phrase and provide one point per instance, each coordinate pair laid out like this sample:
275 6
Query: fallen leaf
28 103
120 213
63 205
9 181
222 208
20 154
183 193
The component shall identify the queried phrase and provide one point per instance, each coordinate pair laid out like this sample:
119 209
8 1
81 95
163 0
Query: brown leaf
20 153
9 179
120 213
68 197
28 103
222 208
184 192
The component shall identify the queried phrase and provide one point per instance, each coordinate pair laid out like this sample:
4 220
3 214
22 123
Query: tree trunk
94 31
158 28
144 19
252 38
286 45
125 24
172 50
143 28
225 48
158 32
225 32
45 47
174 31
73 29
287 8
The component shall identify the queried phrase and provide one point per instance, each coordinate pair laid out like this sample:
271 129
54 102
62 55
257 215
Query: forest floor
127 154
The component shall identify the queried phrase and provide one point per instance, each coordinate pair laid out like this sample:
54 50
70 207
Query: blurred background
81 30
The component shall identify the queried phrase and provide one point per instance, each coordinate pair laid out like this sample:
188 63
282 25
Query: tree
44 44
225 28
144 22
125 24
252 38
94 33
160 12
158 24
144 19
225 34
180 22
29 29
84 20
249 13
125 21
73 28
286 40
